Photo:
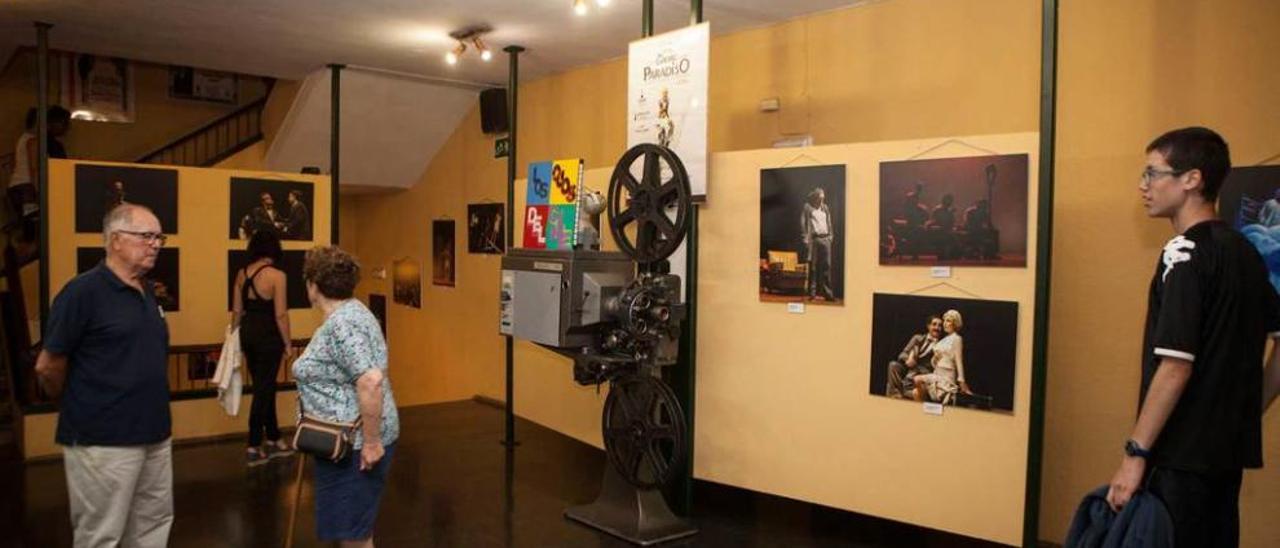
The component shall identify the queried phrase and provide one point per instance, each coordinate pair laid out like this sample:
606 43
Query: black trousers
264 364
1205 507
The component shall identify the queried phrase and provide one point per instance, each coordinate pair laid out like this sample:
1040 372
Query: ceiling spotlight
452 56
485 54
603 3
580 7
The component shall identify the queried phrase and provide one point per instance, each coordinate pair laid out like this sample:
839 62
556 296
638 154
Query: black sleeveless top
258 324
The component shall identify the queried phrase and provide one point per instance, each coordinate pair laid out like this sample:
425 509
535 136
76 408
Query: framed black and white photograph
203 85
101 188
486 228
957 352
164 276
406 283
378 307
442 252
287 207
969 211
1250 202
802 232
291 265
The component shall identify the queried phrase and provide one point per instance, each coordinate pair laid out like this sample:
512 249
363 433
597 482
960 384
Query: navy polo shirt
117 345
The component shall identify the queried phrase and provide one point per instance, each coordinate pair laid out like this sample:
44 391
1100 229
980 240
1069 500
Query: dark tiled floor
448 487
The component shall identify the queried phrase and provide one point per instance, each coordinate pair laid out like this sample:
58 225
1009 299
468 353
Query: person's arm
237 305
32 160
959 350
1167 385
1271 377
281 303
369 394
51 370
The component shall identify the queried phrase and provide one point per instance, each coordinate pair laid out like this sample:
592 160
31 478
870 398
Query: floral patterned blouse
348 344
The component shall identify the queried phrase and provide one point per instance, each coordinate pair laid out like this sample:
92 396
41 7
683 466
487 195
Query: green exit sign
502 147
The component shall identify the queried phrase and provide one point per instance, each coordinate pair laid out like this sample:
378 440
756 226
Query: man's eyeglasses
1150 174
148 237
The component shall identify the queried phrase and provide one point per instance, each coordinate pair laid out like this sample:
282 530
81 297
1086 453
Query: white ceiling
382 120
291 38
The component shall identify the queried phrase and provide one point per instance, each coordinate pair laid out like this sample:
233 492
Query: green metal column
646 19
42 163
1044 248
335 107
513 90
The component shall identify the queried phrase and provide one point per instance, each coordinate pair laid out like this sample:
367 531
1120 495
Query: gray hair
118 218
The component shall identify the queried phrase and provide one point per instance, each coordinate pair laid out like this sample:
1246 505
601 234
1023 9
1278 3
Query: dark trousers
1205 507
820 266
264 364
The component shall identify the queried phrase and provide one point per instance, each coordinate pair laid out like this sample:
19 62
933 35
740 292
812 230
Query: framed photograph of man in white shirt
802 231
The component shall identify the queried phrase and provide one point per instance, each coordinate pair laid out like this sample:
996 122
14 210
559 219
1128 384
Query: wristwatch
1132 449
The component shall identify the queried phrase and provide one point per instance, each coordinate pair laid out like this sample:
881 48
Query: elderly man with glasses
105 356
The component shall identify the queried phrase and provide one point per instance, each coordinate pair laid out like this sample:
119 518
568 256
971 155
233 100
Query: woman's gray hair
954 316
118 219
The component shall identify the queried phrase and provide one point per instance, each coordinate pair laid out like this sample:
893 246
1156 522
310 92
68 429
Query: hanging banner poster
667 97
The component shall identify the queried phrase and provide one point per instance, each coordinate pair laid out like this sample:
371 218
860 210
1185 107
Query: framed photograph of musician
1250 202
802 212
100 188
283 206
406 283
164 276
443 252
486 228
237 259
969 211
960 352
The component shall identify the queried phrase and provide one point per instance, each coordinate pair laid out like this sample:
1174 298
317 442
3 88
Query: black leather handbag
324 439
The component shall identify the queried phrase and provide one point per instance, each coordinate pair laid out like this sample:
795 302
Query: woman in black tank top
261 311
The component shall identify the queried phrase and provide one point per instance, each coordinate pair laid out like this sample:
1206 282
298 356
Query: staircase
215 141
16 358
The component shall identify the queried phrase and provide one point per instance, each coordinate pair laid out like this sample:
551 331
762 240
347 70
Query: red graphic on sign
535 226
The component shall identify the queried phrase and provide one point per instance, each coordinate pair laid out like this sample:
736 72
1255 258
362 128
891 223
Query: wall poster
802 234
551 204
960 352
667 97
97 89
442 252
203 85
486 228
100 188
968 211
406 283
1250 202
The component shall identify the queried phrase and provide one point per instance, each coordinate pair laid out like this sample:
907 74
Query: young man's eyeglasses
147 237
1150 174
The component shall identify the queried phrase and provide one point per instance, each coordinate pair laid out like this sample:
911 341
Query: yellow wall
203 203
782 399
158 118
900 69
1129 71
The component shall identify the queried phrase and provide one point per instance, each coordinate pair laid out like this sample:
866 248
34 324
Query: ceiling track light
470 35
580 7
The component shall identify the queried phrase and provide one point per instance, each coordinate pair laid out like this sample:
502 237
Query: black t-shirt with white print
1211 303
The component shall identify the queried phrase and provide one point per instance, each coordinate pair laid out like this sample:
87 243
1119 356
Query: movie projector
618 314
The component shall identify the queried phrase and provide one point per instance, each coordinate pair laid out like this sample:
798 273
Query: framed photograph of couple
957 352
283 206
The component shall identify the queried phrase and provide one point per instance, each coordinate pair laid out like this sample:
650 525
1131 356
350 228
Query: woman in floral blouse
341 377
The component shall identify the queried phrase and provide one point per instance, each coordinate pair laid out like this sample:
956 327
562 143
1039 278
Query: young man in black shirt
1210 310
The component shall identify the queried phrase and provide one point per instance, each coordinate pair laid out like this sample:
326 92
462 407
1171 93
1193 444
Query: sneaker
278 449
255 457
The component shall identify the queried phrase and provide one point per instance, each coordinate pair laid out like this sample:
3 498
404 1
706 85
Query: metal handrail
245 122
